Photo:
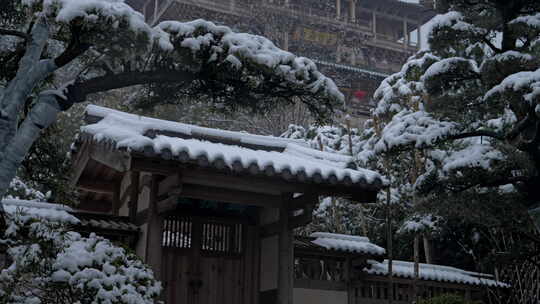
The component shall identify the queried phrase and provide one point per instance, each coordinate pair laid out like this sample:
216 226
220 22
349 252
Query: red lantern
360 94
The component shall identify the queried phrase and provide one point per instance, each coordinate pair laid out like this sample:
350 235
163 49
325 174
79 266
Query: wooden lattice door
207 261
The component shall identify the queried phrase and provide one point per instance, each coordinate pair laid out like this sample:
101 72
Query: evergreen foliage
50 264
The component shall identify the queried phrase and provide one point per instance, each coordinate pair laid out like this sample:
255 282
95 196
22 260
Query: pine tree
106 45
459 127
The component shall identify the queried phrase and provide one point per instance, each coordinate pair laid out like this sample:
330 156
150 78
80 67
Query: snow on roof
63 213
49 211
147 124
434 273
349 243
259 154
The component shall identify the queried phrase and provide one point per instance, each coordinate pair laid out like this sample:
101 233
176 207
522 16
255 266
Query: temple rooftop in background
356 42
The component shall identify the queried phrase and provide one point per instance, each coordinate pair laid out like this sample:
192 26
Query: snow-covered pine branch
50 264
113 47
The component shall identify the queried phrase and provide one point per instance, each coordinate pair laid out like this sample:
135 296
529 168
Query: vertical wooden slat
165 235
183 234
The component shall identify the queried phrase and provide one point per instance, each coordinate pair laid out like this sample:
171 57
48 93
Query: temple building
356 42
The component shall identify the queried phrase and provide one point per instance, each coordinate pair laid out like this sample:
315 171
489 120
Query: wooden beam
161 167
96 186
294 222
408 281
167 204
249 183
300 202
230 196
243 183
170 183
320 284
110 157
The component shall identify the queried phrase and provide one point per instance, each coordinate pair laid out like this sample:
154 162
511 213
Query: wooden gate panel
227 266
174 276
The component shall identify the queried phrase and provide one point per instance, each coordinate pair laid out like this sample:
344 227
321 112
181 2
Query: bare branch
74 49
491 45
8 32
478 133
78 91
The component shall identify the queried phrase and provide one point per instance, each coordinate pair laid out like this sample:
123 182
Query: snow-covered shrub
18 189
50 264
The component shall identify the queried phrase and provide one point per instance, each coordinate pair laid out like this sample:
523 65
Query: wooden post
155 11
285 262
468 295
419 36
134 195
427 250
416 268
352 10
374 25
154 235
405 34
338 9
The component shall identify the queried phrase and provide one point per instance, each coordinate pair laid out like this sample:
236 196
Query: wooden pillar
154 20
468 296
352 10
374 24
419 36
154 235
285 258
405 34
427 250
134 195
416 268
338 9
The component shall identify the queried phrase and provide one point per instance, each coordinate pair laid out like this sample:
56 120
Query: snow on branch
418 129
212 44
522 86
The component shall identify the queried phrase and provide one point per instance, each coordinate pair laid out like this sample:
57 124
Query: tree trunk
390 247
42 115
31 71
427 249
